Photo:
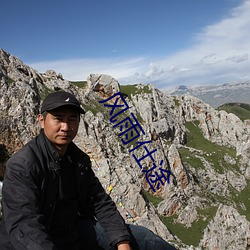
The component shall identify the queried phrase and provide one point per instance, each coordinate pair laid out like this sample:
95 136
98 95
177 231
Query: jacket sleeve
106 211
20 207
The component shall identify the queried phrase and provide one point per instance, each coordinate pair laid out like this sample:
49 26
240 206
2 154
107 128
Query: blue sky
163 42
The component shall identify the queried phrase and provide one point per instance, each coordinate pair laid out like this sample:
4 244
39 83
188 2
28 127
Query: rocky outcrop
202 176
228 230
105 85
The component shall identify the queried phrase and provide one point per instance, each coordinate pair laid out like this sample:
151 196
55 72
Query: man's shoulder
27 153
75 150
78 154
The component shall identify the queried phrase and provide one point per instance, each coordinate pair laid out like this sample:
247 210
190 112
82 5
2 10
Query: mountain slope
204 205
242 110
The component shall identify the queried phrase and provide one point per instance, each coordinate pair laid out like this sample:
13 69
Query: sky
163 42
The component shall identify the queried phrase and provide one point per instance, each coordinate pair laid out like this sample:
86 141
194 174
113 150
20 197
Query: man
51 197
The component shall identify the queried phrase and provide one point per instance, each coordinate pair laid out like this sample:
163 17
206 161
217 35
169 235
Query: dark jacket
30 191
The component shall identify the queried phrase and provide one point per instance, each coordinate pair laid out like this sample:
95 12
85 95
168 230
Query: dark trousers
92 237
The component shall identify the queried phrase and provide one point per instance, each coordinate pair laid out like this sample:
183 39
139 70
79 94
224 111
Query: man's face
60 125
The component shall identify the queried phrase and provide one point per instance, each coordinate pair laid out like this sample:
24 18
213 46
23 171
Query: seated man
52 199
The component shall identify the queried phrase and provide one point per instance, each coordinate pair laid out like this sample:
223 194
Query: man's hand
124 246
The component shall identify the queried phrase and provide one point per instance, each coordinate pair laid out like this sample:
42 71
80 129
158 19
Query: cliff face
207 152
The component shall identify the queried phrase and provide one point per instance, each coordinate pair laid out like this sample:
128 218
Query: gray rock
104 84
191 186
228 230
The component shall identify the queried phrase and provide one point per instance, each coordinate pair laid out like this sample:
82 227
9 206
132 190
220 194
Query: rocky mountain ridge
204 206
216 94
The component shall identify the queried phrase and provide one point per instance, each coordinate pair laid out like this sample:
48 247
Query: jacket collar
72 154
55 159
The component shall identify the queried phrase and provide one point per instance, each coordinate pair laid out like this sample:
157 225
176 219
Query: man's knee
150 240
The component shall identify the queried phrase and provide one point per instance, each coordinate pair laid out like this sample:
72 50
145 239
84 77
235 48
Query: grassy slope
80 84
215 155
242 110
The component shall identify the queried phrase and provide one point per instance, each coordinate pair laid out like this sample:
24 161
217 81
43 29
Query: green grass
128 90
242 110
80 84
9 80
177 102
180 230
211 152
215 154
155 200
45 91
94 106
193 234
242 197
188 157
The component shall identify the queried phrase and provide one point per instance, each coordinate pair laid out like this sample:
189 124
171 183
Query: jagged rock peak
103 84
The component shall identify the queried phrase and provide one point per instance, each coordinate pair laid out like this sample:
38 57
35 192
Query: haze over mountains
216 94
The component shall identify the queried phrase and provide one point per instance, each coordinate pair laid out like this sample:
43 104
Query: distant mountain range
217 94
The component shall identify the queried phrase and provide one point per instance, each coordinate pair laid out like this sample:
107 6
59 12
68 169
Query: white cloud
220 54
238 58
80 69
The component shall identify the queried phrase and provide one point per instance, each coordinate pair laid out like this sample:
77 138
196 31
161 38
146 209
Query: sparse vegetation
94 106
180 230
242 110
176 102
191 159
210 151
242 198
9 80
45 91
155 200
196 231
80 84
128 90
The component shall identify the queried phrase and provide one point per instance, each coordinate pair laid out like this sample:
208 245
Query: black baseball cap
59 99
